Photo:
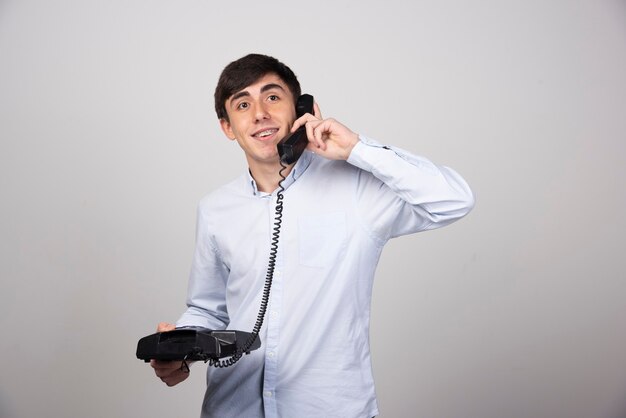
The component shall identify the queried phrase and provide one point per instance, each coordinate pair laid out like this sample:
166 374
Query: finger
310 135
164 326
316 111
174 371
320 131
165 373
314 137
302 120
175 378
163 367
298 123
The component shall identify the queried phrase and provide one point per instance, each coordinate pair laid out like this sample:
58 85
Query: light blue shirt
314 360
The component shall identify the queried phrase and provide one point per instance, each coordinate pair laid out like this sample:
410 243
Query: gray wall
109 139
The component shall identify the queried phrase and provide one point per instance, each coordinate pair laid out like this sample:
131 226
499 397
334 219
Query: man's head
246 71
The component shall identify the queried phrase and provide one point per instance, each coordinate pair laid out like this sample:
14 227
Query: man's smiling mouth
265 133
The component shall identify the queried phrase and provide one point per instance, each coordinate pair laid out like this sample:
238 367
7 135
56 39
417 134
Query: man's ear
227 129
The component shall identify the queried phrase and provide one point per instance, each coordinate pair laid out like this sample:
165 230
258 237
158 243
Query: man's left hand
327 137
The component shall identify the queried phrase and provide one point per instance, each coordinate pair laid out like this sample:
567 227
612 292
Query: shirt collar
296 172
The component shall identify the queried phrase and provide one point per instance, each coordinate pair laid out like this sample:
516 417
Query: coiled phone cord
268 280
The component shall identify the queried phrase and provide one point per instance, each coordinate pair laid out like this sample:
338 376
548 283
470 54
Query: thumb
164 326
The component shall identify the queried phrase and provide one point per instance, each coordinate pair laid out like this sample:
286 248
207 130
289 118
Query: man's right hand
170 372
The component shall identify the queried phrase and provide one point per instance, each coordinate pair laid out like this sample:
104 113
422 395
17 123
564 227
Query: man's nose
261 112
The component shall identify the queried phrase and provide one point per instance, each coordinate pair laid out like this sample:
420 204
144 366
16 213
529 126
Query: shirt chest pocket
322 238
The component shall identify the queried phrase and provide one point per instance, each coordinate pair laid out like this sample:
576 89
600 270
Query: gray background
109 139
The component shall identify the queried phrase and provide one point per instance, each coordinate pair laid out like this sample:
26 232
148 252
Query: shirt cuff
363 151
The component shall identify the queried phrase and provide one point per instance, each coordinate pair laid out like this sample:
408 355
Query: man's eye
242 105
272 98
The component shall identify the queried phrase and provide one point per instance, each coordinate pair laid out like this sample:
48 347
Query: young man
343 200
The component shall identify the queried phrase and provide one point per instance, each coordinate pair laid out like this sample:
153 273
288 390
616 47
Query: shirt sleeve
206 302
401 193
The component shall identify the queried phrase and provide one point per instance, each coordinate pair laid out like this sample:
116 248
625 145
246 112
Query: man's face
261 115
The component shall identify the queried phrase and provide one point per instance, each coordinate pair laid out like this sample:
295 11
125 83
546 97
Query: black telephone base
192 344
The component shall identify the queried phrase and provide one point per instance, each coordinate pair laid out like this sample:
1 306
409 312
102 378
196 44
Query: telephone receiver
292 148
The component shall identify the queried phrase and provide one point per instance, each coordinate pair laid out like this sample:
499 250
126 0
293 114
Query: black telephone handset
292 148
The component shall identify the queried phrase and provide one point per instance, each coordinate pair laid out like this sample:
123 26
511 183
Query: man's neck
267 177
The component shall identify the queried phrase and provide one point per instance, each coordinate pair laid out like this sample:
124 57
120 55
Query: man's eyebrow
265 88
271 86
239 95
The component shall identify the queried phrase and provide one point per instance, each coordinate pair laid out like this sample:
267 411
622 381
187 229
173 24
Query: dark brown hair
245 71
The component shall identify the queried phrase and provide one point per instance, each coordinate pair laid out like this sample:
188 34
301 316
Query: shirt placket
272 321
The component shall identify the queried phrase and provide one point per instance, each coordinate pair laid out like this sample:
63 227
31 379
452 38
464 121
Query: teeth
266 133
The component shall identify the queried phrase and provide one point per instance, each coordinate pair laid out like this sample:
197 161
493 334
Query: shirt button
270 354
267 394
273 314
